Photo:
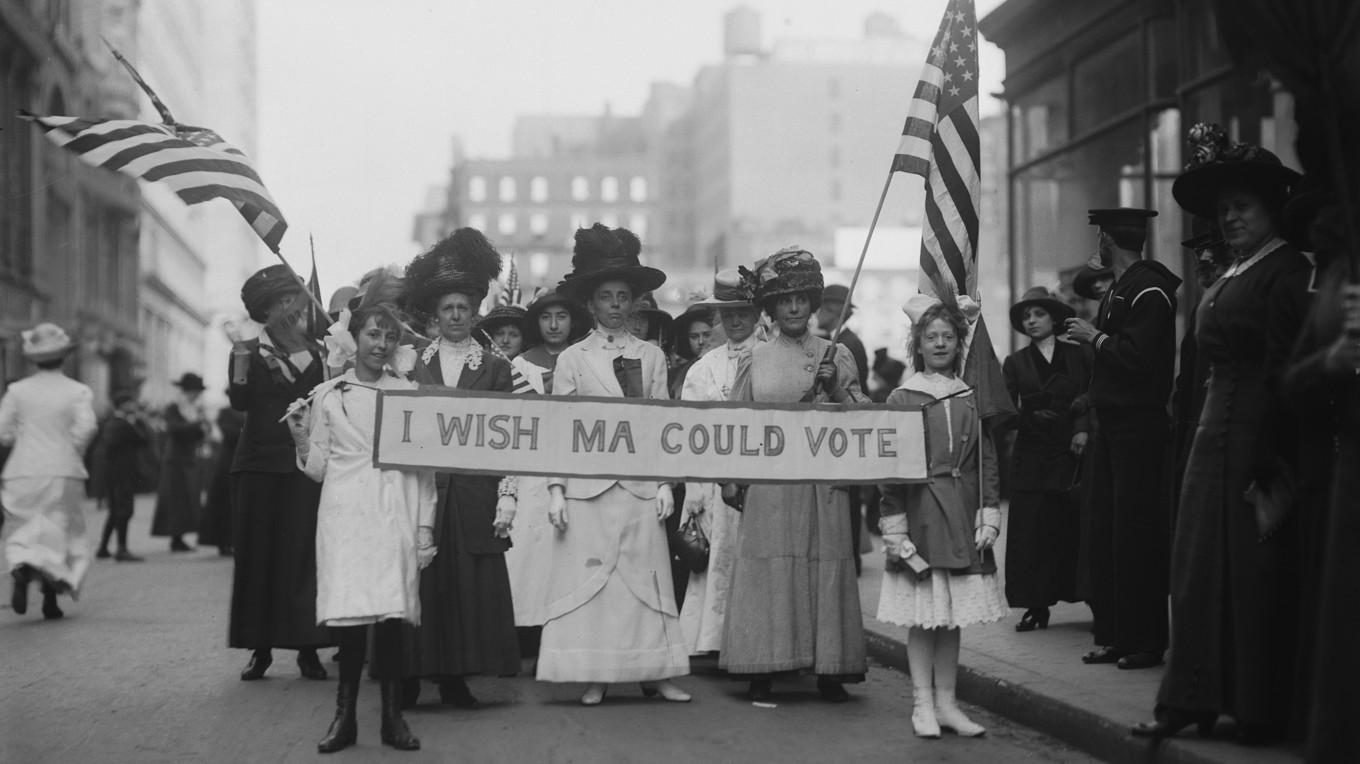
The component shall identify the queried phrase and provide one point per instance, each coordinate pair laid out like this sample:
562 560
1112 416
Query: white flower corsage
339 342
403 360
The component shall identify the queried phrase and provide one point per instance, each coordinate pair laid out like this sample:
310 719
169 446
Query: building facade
1100 96
68 232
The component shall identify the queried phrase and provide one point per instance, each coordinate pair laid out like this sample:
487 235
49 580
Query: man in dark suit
1127 534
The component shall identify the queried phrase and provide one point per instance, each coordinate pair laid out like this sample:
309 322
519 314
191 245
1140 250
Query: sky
359 100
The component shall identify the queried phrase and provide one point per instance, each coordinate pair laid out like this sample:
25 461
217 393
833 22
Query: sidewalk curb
1076 726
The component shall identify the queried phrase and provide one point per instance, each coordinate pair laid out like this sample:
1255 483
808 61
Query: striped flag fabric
193 161
509 294
940 142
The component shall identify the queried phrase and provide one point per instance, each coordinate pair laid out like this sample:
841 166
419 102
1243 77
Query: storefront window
1108 83
1204 51
1051 199
1039 118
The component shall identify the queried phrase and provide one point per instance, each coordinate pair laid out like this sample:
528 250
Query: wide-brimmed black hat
500 316
265 286
603 254
1217 163
464 262
580 318
1041 297
680 327
788 271
658 321
189 382
1084 282
837 293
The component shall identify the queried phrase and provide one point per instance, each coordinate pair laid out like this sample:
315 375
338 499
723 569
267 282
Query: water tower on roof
741 33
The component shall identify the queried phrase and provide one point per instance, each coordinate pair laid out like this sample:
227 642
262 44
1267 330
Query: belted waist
946 470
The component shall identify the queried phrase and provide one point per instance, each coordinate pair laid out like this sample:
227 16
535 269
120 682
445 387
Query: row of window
507 189
507 223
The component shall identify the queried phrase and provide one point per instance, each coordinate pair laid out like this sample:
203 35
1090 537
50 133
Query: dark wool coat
467 614
1232 594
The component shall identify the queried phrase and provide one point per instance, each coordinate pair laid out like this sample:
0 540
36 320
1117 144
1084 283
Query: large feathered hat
603 254
1218 163
788 271
464 262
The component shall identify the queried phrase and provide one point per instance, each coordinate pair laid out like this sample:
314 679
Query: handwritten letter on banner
502 434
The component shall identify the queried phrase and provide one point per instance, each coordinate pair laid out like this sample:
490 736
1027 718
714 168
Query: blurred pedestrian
1323 385
794 602
938 536
713 507
179 496
374 526
1126 533
122 438
468 619
615 621
49 420
215 529
1234 566
273 595
1044 379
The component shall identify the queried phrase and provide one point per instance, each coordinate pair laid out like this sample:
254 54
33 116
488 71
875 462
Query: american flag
509 294
193 161
940 143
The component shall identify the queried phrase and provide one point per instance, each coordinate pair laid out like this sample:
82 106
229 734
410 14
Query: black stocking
387 653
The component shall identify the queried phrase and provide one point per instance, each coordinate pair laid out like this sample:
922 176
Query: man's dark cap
1126 225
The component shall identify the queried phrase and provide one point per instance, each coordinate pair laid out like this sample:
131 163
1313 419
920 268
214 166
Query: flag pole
854 280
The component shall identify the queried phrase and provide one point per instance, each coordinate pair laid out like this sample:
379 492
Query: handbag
691 545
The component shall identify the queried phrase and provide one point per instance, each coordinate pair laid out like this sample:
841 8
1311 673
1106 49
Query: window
506 223
578 220
637 223
507 189
538 264
609 189
477 220
1039 119
637 189
477 188
580 188
610 220
1108 83
538 224
538 189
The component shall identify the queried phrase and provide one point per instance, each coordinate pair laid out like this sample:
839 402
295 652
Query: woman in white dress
949 524
49 420
374 529
711 378
611 615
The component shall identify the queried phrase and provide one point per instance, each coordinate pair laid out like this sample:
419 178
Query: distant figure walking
49 419
179 496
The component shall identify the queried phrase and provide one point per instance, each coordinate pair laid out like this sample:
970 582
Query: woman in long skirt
468 626
49 420
374 529
614 621
794 602
273 592
1044 379
179 497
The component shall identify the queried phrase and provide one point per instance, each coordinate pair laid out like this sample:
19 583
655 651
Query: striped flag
509 294
193 161
940 143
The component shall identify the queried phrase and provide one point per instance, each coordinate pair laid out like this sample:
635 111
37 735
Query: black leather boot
51 611
395 733
344 729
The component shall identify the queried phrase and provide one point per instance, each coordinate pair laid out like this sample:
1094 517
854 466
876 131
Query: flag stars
967 76
954 90
948 76
953 47
966 31
960 61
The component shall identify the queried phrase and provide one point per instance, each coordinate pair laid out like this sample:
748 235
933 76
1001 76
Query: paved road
137 672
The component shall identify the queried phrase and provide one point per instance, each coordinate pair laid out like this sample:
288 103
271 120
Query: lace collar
468 351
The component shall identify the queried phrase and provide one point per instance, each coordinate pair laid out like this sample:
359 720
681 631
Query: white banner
626 438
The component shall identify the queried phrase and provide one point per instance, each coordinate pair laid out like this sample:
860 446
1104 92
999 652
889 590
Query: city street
138 671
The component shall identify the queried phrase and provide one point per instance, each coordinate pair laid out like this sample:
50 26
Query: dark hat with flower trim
1042 298
788 271
501 315
464 262
605 254
1217 163
267 285
732 288
580 319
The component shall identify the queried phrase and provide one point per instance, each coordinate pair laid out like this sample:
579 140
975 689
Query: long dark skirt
273 594
467 616
179 498
1044 537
